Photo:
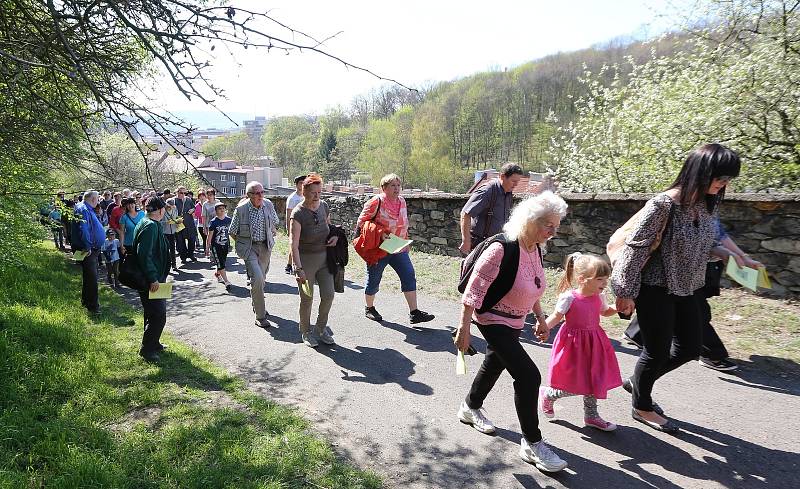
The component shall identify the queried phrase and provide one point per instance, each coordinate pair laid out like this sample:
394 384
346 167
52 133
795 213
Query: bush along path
79 408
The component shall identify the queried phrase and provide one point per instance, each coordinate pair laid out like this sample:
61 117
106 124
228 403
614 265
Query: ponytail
566 281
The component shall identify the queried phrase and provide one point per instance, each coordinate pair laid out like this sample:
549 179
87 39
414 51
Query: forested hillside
619 117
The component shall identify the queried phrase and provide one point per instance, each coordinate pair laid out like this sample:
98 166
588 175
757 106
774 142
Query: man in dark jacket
151 250
87 237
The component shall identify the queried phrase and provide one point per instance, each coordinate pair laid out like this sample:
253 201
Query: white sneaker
541 456
309 340
326 338
475 417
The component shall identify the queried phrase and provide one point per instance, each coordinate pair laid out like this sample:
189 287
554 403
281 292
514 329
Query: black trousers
89 298
186 241
203 237
155 317
671 336
171 247
712 346
504 352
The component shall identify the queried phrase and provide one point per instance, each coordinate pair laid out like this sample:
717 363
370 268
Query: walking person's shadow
376 366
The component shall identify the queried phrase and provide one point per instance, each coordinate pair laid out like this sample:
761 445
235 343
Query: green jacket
151 250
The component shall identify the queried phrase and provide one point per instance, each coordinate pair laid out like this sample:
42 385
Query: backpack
505 276
617 241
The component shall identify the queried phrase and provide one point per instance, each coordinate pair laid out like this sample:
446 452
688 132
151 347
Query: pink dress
582 360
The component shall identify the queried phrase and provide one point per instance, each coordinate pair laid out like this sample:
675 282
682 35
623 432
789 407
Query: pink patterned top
523 294
392 215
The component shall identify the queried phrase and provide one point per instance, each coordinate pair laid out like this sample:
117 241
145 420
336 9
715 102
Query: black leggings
504 352
671 335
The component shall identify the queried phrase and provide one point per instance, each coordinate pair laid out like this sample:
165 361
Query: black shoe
193 259
417 316
372 313
288 269
667 427
150 356
626 384
94 312
724 365
630 341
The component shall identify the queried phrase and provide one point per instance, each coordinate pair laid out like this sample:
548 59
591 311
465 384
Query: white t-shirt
293 200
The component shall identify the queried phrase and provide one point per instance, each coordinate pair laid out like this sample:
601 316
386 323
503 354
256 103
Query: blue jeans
401 263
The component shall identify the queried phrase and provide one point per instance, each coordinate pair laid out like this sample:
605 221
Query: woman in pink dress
582 361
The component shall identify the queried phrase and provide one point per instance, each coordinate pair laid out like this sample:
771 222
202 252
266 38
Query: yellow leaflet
164 291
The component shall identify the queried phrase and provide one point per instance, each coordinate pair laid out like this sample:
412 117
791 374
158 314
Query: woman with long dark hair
662 285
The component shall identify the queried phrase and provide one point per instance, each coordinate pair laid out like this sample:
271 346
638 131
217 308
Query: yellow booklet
461 364
394 244
164 291
750 278
79 255
307 288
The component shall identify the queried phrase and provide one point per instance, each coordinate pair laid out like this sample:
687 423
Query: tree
735 82
237 146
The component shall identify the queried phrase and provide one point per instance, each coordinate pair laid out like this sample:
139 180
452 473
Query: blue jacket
87 232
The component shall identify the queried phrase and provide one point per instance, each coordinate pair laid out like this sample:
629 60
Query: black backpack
506 275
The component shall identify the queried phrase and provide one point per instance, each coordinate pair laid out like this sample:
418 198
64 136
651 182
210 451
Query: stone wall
765 226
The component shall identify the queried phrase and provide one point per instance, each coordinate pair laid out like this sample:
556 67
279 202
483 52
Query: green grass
752 327
79 408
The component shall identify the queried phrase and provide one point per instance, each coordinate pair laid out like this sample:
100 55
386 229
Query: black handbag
130 275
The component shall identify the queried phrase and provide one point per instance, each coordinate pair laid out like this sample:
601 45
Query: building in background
230 179
256 127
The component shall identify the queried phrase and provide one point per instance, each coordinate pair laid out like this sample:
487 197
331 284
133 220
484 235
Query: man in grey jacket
254 226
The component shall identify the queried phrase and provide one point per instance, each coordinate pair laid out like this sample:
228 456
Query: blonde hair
531 209
578 264
389 178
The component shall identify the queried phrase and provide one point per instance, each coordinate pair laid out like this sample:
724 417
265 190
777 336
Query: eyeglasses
724 178
260 192
553 229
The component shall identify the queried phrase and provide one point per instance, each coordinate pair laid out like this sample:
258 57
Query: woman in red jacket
388 210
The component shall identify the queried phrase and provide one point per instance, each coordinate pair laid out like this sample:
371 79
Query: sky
414 42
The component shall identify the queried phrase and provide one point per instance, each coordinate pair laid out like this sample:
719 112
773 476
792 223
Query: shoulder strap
378 209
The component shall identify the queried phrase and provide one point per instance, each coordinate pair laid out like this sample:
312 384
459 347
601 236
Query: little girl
582 360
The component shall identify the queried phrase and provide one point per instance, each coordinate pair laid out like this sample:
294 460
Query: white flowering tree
736 82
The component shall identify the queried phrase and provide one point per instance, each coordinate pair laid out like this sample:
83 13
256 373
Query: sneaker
475 417
723 365
263 323
309 340
288 269
228 286
372 313
327 338
545 403
541 456
417 316
599 423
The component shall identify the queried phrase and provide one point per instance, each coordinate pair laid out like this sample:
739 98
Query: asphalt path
386 397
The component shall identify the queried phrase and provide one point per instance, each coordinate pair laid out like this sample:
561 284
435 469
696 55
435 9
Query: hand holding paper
79 255
394 244
748 277
164 291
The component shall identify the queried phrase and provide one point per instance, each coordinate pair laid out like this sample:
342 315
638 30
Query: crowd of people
660 273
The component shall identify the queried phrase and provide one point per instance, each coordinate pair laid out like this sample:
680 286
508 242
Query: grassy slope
80 409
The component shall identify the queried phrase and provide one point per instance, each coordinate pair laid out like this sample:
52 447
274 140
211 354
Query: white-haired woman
499 294
388 210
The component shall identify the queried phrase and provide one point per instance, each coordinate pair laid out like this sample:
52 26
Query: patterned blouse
679 264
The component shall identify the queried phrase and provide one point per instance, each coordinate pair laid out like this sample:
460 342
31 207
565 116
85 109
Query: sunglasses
260 192
724 179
